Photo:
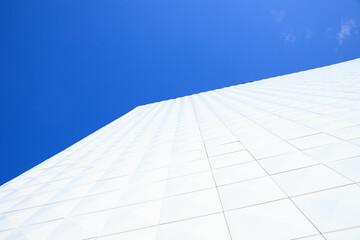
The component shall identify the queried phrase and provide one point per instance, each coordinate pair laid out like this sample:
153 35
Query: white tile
325 124
230 159
189 156
333 209
286 162
187 168
52 212
219 140
37 231
6 206
270 150
32 201
347 133
212 227
189 183
275 220
109 185
310 179
224 148
313 141
140 234
347 234
349 168
5 234
297 132
94 203
190 205
15 219
236 173
249 193
355 141
141 193
333 152
317 237
68 193
80 227
257 140
133 217
152 164
149 176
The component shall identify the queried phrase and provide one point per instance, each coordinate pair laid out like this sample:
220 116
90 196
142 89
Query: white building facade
272 159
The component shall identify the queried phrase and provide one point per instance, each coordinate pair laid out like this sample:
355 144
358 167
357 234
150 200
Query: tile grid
172 151
195 151
303 167
288 197
320 163
217 191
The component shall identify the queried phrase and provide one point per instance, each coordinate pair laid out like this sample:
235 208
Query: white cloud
288 37
347 28
279 15
308 33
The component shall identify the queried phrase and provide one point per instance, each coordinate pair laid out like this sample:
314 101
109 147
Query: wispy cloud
279 15
347 28
288 37
308 33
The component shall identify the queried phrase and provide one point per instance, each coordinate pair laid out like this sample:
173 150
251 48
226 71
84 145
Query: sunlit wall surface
272 159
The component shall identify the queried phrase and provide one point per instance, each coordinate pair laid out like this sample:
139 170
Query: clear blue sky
69 67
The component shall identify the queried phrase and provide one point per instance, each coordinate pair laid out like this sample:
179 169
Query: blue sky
69 67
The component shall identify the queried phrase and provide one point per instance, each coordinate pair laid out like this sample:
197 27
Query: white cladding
272 159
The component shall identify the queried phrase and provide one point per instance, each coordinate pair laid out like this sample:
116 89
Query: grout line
169 169
217 190
274 181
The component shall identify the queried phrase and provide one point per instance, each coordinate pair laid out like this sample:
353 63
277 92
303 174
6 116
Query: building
272 159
